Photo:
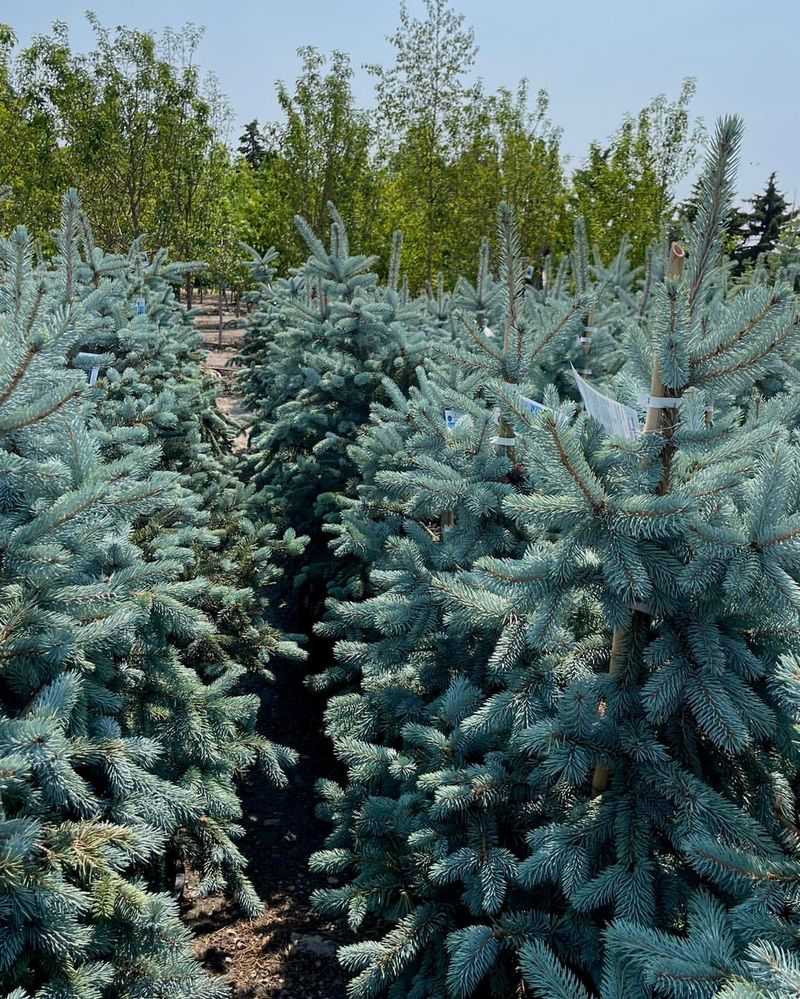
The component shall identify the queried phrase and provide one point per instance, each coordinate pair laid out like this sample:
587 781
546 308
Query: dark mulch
288 952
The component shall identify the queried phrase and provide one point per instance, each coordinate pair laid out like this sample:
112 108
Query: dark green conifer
769 213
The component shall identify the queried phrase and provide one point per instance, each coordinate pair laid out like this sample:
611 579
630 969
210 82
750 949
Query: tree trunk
188 291
661 421
219 313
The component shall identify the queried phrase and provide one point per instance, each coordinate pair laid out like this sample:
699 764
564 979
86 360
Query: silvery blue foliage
568 705
318 349
121 727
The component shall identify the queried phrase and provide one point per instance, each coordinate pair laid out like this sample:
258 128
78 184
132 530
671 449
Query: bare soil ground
287 952
220 355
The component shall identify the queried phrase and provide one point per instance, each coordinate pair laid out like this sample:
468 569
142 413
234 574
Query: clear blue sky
597 60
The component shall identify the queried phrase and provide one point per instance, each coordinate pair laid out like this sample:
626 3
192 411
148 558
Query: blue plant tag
451 417
532 405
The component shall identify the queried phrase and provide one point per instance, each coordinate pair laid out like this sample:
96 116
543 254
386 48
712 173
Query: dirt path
288 952
219 355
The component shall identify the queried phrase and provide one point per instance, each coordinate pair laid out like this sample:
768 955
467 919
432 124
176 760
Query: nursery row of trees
563 631
144 136
563 684
134 598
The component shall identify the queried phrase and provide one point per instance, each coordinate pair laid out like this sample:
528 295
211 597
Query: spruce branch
19 374
716 189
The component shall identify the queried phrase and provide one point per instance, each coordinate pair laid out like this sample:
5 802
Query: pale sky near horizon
596 60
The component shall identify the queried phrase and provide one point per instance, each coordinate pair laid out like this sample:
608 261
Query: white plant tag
141 306
93 376
659 402
487 331
451 417
616 419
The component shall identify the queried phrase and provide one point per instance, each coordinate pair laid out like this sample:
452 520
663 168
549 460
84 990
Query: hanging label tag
613 417
487 331
93 376
141 306
451 417
503 441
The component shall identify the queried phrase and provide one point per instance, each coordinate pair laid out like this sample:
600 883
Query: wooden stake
674 269
618 649
677 258
658 421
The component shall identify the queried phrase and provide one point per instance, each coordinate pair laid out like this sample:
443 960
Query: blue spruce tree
122 726
677 848
152 389
579 773
320 345
433 797
88 801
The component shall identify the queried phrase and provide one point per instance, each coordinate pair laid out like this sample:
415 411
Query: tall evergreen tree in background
733 223
252 147
769 214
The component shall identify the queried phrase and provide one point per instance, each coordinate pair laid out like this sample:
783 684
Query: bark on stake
661 421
